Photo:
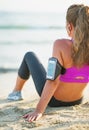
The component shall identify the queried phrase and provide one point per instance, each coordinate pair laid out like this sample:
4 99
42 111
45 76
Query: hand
30 117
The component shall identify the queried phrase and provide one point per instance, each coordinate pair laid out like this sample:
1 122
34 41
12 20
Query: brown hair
78 15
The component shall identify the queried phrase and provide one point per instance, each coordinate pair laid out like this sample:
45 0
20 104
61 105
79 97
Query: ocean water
21 32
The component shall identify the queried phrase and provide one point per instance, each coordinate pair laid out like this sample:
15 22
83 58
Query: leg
19 84
31 65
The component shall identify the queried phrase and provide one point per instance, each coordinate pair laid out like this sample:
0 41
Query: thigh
37 71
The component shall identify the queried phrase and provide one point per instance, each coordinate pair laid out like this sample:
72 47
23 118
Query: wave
26 42
30 27
5 70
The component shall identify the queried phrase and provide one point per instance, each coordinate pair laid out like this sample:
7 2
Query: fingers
25 116
32 117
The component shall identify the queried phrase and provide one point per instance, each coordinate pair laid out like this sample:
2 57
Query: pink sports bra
74 74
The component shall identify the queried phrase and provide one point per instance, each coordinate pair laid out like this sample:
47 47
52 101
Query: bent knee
29 55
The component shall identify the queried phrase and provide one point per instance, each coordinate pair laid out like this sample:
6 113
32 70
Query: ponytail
80 50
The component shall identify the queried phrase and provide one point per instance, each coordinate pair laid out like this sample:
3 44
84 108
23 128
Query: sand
63 118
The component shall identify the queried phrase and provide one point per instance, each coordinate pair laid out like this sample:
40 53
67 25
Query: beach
19 33
63 118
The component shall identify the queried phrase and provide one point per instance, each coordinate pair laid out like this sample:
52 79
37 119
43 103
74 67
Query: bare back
66 91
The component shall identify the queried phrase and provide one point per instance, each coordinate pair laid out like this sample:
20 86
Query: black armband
54 69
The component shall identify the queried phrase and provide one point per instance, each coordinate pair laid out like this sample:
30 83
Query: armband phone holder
54 69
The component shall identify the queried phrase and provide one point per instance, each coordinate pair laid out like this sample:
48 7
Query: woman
67 89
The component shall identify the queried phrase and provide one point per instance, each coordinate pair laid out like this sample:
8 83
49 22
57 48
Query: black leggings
32 65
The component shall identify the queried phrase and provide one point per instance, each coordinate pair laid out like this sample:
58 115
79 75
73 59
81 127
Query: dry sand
63 118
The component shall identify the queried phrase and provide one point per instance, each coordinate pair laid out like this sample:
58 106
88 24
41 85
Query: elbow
53 83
